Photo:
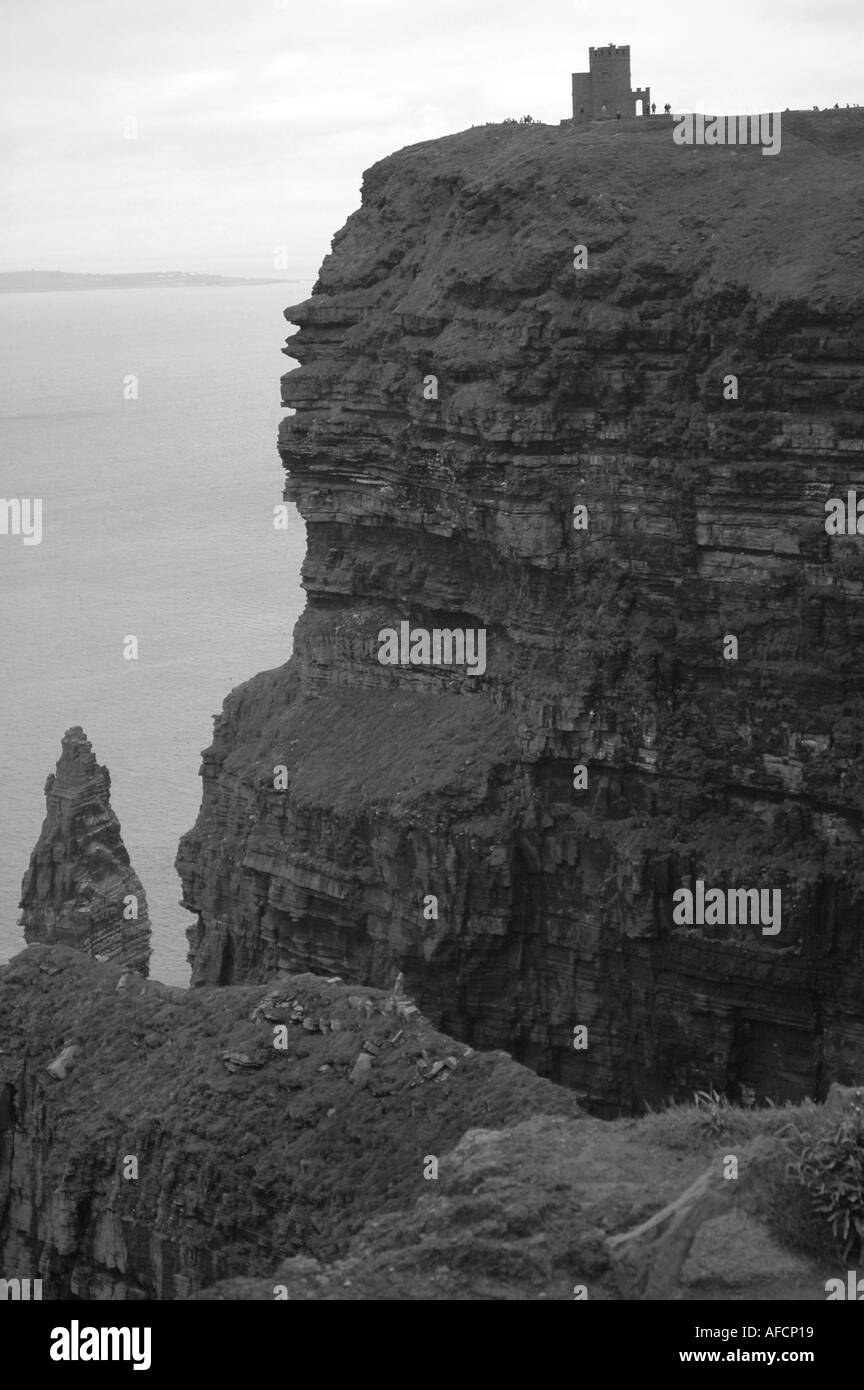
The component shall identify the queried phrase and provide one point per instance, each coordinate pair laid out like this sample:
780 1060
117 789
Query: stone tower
605 89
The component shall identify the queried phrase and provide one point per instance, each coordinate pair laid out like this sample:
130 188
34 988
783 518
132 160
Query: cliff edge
619 474
316 1140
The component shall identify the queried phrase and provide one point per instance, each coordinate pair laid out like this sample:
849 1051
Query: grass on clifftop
796 1197
353 748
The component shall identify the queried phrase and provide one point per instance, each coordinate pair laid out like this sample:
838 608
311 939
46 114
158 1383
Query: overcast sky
256 118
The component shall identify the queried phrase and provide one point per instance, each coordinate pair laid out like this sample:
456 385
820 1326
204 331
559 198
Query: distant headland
30 281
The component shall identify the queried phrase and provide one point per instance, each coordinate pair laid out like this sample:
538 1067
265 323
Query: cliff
80 888
200 1143
462 389
317 1140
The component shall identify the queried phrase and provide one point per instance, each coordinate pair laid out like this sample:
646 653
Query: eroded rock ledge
605 647
80 888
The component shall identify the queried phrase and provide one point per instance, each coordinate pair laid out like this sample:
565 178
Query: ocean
158 523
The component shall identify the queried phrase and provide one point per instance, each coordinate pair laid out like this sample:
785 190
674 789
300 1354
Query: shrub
830 1165
714 1111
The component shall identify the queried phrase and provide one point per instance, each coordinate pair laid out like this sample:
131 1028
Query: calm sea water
157 522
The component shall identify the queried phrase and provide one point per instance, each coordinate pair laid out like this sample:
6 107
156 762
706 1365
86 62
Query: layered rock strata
80 888
462 389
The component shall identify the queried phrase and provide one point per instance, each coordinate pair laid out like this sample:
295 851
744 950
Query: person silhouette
667 108
653 108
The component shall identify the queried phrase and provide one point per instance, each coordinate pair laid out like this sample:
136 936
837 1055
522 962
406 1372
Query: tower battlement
612 50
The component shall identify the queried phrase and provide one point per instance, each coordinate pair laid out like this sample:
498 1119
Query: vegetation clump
830 1166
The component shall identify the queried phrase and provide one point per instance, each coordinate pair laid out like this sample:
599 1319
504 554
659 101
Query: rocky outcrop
462 390
80 888
530 1213
158 1143
193 1136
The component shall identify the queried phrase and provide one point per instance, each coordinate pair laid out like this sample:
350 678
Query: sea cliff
513 840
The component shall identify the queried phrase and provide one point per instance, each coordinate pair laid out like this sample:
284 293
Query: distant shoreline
42 281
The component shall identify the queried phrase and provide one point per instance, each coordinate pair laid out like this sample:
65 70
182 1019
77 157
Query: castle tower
605 89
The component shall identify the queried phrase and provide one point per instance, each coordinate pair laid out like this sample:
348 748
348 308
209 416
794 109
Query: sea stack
80 889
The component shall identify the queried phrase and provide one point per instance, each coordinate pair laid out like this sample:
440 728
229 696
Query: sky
230 136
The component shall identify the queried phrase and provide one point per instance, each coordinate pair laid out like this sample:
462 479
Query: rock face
532 1211
80 888
209 1134
215 1143
462 390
